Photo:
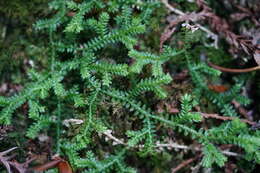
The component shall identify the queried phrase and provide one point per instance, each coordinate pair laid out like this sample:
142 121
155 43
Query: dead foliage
218 24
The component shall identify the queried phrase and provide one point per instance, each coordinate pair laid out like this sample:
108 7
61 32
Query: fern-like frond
43 122
76 23
53 23
151 84
212 155
114 36
144 58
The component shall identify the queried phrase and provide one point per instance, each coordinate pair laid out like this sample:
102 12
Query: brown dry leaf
5 159
230 167
20 167
238 16
222 27
257 57
4 129
171 28
171 109
62 165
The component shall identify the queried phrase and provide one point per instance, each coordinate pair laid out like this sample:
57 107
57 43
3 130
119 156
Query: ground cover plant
130 86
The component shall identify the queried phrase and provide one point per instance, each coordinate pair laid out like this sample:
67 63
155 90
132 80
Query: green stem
52 50
58 126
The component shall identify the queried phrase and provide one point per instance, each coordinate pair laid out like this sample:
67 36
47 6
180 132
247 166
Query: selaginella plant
96 69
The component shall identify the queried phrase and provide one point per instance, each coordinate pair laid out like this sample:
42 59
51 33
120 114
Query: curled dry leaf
62 165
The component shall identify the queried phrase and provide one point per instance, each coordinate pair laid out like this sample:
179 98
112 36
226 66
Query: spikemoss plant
86 74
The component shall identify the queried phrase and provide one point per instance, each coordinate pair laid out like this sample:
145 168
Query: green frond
149 144
53 23
105 67
199 73
151 84
212 155
113 162
76 23
135 137
142 112
186 115
125 17
3 101
6 113
93 77
65 47
114 36
77 97
35 109
103 24
42 123
59 89
144 58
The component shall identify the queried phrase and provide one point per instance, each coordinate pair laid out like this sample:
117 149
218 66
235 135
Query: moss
23 11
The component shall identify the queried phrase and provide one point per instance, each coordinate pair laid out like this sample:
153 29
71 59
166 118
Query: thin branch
171 8
7 151
242 110
229 153
233 70
185 163
180 13
174 145
5 159
171 145
108 134
224 118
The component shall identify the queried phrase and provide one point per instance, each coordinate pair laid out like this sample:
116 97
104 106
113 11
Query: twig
242 110
5 159
171 8
109 135
175 145
22 167
185 163
224 118
228 153
116 141
233 70
7 151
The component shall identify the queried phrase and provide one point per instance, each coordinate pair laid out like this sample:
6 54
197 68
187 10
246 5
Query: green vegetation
89 76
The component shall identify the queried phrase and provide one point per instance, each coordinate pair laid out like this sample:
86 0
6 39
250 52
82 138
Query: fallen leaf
62 165
257 57
218 88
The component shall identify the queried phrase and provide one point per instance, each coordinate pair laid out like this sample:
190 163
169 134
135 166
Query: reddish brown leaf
46 166
62 165
218 88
